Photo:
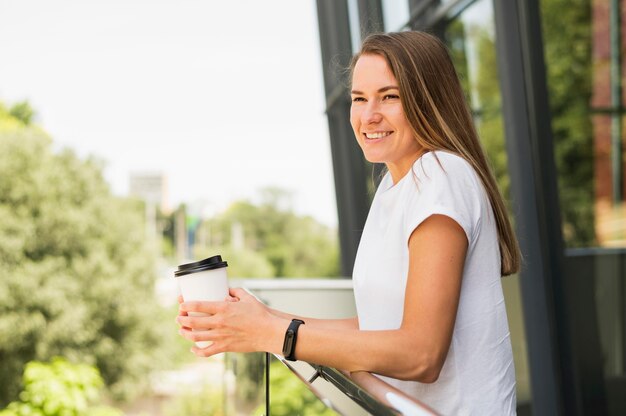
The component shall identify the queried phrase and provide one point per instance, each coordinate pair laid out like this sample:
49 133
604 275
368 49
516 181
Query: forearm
342 324
393 353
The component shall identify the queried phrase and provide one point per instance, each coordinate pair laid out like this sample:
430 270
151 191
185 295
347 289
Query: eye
357 99
391 97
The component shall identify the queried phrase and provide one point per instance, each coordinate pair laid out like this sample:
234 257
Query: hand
241 323
228 298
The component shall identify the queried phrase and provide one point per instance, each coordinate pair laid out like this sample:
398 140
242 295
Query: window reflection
471 40
584 93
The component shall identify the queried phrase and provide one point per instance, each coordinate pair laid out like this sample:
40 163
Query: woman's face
378 119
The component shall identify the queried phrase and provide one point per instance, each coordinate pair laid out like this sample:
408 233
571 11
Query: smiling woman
377 117
430 310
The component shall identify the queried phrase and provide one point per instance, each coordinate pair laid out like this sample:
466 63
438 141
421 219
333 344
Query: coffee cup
204 280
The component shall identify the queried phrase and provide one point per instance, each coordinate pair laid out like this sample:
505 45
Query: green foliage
289 396
77 273
276 242
242 262
567 49
484 93
19 115
491 125
23 112
60 388
249 370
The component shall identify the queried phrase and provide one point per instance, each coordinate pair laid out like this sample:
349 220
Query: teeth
377 135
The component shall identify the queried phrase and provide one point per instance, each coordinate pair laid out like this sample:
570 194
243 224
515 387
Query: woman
431 318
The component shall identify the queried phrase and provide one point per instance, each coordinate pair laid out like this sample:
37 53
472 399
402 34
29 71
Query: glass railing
264 384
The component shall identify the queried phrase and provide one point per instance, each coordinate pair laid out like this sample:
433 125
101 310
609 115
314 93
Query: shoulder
441 162
444 184
440 168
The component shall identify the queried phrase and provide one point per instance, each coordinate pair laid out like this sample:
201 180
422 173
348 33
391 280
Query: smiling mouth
377 135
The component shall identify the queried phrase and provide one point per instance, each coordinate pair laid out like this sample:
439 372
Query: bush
60 388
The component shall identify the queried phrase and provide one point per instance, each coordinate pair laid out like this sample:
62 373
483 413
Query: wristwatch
291 335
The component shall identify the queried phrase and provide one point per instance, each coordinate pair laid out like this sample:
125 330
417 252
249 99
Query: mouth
377 135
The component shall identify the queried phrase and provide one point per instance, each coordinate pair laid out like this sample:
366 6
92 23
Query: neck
399 170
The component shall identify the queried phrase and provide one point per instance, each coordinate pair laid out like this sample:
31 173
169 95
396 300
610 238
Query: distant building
150 187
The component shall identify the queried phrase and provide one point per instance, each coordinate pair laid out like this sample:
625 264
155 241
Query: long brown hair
435 106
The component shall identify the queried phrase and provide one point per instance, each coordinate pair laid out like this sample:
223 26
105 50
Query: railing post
267 384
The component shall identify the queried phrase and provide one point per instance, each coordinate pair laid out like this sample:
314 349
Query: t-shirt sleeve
450 188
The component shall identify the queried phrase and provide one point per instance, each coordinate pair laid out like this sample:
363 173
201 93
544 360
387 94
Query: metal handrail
368 391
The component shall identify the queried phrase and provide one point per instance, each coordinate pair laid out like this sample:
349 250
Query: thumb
239 293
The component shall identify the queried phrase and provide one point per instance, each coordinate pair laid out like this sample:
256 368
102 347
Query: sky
223 97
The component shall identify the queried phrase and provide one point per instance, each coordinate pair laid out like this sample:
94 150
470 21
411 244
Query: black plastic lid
210 263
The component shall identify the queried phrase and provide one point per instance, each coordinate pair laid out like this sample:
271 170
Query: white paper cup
205 280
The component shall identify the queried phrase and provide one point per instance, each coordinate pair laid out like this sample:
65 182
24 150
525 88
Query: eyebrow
383 89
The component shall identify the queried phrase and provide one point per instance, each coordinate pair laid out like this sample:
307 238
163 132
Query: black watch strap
291 336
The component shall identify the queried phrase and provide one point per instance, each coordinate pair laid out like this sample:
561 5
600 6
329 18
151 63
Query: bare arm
415 351
342 324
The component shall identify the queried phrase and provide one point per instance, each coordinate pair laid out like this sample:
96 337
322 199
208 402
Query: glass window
244 383
584 73
471 40
584 76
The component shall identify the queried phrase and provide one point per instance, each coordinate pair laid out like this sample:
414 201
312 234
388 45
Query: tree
275 240
23 112
77 273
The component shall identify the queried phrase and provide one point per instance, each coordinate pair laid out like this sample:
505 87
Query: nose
371 113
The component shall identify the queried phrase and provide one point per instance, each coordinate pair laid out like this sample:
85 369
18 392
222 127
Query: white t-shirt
478 376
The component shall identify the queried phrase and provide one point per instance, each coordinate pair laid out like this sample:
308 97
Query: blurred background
138 135
135 136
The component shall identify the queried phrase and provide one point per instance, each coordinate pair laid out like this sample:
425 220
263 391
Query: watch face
287 346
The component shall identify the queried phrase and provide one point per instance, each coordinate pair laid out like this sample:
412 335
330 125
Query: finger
199 322
180 299
181 325
198 335
230 299
181 312
202 306
238 292
212 349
